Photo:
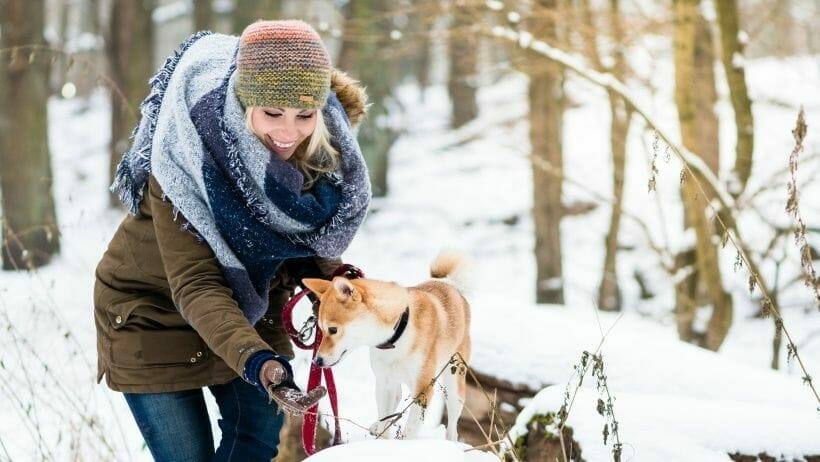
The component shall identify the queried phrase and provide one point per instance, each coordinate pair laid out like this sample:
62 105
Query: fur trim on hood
352 96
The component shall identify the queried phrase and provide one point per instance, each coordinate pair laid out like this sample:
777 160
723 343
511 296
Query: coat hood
351 94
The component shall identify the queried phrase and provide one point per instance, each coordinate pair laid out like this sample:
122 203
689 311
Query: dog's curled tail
450 265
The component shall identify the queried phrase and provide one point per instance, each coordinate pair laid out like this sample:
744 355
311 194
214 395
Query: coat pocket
141 337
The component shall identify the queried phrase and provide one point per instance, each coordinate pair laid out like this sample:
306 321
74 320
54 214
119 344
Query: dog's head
353 313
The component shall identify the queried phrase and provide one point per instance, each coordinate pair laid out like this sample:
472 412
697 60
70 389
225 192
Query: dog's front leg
388 394
415 419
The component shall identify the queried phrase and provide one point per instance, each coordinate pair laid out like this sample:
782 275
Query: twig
793 207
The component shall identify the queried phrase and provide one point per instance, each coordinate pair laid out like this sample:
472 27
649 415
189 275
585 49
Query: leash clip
306 332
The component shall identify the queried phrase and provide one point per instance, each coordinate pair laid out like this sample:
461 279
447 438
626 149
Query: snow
672 428
738 61
471 190
494 5
402 451
171 11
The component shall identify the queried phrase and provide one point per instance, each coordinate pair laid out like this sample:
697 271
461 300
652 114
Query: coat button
199 354
118 319
193 360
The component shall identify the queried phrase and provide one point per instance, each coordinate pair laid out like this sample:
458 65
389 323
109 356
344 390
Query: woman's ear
317 286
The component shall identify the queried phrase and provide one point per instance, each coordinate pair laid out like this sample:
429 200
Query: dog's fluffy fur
366 312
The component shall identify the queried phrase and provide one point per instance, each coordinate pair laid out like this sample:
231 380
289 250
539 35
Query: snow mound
676 428
402 450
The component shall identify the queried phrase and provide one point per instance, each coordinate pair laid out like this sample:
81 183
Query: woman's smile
284 149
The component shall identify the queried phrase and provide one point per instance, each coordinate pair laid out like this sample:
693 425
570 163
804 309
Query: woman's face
283 129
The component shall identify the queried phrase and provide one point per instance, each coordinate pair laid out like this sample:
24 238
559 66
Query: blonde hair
314 158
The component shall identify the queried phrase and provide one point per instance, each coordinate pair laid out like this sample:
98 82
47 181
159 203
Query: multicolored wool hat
282 63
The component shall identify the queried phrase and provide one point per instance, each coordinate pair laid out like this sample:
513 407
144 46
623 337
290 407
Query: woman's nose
285 135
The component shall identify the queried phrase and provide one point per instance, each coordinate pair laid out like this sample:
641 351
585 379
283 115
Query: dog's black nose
318 361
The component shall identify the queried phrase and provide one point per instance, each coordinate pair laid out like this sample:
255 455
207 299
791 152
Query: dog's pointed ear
344 289
317 286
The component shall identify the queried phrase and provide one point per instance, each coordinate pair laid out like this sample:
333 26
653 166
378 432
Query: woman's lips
281 150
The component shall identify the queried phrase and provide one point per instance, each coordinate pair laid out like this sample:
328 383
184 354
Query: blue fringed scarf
242 200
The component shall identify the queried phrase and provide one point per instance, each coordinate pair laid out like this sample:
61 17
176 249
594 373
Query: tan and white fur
357 312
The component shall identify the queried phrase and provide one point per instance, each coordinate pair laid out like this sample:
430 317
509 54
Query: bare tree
609 295
29 222
129 47
547 101
732 45
695 96
367 55
248 11
203 15
462 46
422 20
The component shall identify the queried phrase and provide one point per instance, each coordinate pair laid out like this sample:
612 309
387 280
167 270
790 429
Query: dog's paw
382 429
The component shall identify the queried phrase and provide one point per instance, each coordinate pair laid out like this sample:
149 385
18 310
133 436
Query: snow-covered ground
455 190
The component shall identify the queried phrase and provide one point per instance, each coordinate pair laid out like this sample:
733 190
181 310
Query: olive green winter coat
164 314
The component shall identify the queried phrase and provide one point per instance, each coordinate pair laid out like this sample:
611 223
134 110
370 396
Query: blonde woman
244 176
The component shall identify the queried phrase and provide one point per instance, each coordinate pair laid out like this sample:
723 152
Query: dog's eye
332 330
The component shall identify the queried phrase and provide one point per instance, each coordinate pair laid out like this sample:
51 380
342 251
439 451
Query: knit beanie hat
282 63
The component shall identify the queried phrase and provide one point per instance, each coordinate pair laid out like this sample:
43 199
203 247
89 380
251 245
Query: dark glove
293 400
273 376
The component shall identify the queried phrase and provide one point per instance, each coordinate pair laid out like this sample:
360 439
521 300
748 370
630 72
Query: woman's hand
294 401
272 374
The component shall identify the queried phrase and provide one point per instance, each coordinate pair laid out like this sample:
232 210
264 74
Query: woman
254 180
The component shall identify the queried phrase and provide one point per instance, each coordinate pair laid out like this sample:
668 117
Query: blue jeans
176 426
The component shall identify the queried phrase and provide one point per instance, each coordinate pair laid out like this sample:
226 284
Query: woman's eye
306 116
272 114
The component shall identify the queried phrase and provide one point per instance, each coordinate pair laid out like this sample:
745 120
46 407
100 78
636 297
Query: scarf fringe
130 191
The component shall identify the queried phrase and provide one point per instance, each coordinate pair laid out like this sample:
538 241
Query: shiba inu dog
412 333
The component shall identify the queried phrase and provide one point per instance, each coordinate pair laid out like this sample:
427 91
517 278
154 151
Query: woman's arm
202 295
297 269
199 290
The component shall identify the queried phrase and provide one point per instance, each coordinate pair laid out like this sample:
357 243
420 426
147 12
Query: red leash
300 338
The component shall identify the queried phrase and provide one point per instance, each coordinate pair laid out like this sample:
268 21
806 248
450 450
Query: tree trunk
60 71
366 53
29 222
546 98
732 57
130 55
249 11
609 295
462 49
203 15
423 20
705 123
694 96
